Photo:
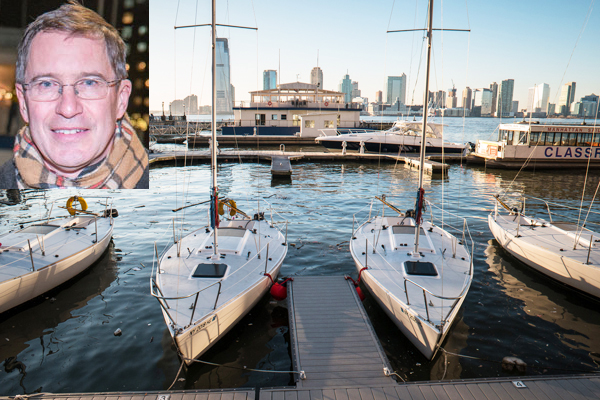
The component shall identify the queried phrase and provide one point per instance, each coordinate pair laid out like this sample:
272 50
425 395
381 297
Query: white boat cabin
541 146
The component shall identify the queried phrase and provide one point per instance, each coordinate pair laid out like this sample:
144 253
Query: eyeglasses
87 89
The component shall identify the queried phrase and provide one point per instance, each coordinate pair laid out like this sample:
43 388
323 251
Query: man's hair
78 21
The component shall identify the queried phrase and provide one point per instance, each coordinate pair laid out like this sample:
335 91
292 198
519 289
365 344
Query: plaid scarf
121 169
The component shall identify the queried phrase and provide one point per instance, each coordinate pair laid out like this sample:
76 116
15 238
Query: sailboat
47 253
208 280
562 249
417 271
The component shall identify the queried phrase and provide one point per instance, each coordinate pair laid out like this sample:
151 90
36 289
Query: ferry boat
293 109
536 145
403 136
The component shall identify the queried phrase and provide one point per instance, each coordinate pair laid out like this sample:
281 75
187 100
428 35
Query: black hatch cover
211 270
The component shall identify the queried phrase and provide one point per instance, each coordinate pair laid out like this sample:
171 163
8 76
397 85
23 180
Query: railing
466 240
156 291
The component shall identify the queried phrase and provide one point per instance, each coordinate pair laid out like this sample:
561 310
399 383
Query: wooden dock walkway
333 342
224 156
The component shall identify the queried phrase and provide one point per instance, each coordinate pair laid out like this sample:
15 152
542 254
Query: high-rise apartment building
567 97
269 79
225 96
379 96
482 102
494 90
538 98
316 77
345 87
466 98
504 105
452 100
355 90
396 89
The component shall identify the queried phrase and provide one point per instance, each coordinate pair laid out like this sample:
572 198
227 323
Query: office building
225 96
466 98
396 89
345 87
452 100
494 89
439 99
482 103
537 100
355 90
269 79
316 77
590 106
504 105
567 97
379 97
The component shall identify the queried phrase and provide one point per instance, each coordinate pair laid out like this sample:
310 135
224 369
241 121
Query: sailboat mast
425 112
213 129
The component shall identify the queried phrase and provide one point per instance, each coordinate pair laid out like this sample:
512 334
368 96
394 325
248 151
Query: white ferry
299 109
536 145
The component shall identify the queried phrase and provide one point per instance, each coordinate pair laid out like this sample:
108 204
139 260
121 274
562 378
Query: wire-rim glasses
46 89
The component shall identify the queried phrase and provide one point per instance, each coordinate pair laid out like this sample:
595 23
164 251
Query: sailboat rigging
229 265
422 289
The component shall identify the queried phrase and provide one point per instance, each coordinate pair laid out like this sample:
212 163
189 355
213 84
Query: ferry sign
571 152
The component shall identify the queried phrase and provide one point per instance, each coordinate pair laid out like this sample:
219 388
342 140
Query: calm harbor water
65 342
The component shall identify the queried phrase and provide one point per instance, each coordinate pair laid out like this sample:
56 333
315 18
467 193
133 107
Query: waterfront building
452 100
466 98
316 77
225 97
439 99
396 89
567 97
294 109
355 90
537 100
515 107
379 97
551 110
191 104
269 79
494 89
504 105
345 87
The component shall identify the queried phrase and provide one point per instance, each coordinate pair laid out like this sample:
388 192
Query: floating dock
333 342
431 165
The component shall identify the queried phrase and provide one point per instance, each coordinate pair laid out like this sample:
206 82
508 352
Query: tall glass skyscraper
316 77
269 79
224 90
346 88
396 89
567 96
505 98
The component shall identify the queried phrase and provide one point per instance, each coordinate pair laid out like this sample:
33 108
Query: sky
532 42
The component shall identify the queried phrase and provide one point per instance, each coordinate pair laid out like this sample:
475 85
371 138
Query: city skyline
514 45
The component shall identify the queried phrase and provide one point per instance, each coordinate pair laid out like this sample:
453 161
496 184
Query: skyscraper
482 102
316 77
466 98
346 88
396 89
224 91
567 96
379 96
540 97
452 98
269 79
355 89
505 98
494 89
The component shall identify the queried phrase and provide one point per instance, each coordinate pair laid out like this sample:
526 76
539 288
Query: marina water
66 342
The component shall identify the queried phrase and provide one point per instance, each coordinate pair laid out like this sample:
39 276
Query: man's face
71 133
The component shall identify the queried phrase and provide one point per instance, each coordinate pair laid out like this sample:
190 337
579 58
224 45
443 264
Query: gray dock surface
431 165
333 341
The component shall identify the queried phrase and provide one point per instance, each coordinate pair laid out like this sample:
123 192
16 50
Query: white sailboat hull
425 322
540 248
201 310
67 255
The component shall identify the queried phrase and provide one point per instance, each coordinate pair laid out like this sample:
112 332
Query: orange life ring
270 104
326 104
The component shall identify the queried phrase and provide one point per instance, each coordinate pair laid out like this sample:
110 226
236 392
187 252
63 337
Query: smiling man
73 94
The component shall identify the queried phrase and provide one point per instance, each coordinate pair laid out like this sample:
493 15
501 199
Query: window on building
328 124
273 117
260 119
296 121
283 117
309 123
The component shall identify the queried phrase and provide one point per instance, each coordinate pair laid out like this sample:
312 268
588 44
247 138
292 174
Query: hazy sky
532 42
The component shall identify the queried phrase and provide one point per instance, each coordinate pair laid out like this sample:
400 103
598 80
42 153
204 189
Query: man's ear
22 104
123 97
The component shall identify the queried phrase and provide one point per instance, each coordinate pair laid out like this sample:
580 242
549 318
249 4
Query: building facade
466 98
567 97
345 87
225 96
316 77
269 79
396 89
504 105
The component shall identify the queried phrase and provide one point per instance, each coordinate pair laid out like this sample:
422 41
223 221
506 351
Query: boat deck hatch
420 268
211 270
40 229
